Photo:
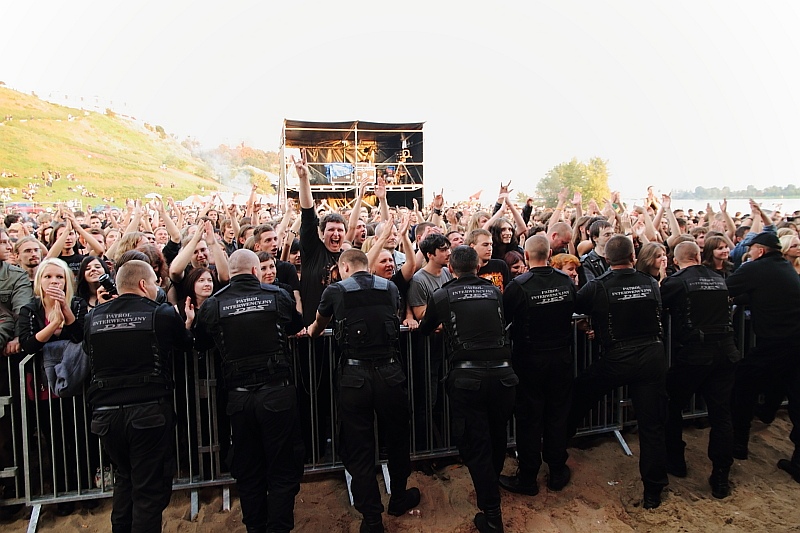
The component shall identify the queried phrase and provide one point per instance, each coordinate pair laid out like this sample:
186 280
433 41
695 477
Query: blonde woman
790 248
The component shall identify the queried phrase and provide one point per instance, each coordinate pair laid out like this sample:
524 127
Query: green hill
108 155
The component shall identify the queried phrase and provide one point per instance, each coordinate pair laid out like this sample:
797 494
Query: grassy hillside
110 156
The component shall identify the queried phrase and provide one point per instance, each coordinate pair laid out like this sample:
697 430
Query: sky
673 94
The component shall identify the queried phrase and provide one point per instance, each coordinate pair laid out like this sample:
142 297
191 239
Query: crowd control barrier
50 455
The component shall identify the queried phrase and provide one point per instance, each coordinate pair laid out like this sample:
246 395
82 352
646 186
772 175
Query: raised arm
183 258
91 242
520 223
410 266
306 198
379 241
577 203
356 211
169 224
380 193
555 218
58 245
217 252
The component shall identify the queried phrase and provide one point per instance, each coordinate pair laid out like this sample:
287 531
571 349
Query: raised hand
301 166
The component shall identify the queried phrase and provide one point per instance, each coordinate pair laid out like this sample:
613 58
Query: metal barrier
58 459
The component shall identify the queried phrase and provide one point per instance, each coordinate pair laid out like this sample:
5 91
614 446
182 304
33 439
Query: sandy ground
604 496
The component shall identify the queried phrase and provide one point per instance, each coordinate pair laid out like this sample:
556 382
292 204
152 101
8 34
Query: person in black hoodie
769 285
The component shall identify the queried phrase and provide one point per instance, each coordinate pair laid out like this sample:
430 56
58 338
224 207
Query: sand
603 496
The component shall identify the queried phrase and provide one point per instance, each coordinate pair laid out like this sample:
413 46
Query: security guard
704 360
481 383
370 380
541 303
130 341
249 322
625 308
769 285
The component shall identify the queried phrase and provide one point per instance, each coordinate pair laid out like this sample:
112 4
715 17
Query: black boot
559 477
400 504
791 467
520 484
371 525
651 499
489 521
720 486
256 529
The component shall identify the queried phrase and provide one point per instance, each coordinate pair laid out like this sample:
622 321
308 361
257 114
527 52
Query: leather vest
124 346
370 327
473 317
633 306
550 303
705 310
251 339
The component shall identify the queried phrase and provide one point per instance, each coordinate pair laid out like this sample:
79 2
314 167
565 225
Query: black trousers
140 441
714 381
544 396
364 391
643 370
773 362
481 403
268 454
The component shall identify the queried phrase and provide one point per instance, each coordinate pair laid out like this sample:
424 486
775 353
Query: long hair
156 259
786 243
647 256
498 248
69 279
83 290
709 245
191 279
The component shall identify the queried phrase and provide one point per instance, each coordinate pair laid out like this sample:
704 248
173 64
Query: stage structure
340 153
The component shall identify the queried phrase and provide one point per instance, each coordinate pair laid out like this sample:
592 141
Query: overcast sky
673 94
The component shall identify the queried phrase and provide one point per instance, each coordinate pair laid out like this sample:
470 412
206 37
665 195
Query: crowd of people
496 289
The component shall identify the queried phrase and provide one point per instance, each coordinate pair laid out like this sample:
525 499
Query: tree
590 179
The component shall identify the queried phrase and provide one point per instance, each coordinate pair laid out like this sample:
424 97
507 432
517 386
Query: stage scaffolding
340 153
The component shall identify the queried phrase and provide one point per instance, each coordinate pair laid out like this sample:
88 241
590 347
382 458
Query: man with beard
28 251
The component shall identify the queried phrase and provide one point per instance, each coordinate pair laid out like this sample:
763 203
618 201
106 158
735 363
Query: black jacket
770 286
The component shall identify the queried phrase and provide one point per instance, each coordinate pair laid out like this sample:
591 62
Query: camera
108 284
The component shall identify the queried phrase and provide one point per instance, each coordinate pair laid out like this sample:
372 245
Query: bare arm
356 211
184 257
555 218
380 193
518 220
58 245
251 202
91 242
410 266
217 252
169 224
577 203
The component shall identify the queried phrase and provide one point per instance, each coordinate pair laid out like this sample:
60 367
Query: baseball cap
768 239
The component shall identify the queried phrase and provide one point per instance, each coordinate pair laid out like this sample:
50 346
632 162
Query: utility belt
382 361
635 342
482 365
279 383
102 408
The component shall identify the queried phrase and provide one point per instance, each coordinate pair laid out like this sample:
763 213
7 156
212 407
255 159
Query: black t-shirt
319 265
73 262
496 271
